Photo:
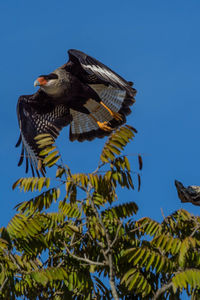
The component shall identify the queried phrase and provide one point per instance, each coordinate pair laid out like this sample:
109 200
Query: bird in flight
84 93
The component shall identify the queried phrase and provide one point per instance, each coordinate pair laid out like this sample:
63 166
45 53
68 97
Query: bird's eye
52 76
43 76
49 77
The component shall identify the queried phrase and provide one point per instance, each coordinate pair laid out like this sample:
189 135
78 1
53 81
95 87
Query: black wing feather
19 141
93 71
36 117
39 113
107 84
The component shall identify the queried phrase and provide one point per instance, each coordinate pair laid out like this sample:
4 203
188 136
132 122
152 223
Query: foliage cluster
92 247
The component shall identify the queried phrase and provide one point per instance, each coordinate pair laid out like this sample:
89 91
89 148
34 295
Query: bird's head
48 83
46 80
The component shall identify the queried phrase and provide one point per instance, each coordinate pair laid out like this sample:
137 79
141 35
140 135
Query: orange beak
40 81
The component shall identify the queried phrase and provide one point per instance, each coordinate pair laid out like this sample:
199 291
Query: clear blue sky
156 44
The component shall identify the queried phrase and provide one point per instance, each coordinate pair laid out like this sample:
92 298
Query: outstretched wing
114 91
92 71
37 115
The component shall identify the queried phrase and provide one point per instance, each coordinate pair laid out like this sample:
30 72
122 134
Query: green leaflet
116 143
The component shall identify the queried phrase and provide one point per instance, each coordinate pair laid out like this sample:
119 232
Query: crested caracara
83 93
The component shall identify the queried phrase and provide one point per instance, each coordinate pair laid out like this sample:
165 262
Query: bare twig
116 236
72 239
162 290
162 212
78 241
197 227
12 257
85 260
99 167
3 284
137 228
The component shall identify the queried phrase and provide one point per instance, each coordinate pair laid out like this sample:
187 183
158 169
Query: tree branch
12 257
116 236
162 290
3 284
85 260
112 279
108 253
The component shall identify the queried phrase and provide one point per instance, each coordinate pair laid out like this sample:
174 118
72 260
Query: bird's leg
102 125
115 115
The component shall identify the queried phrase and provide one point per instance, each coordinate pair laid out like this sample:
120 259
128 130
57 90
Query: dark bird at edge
188 194
84 93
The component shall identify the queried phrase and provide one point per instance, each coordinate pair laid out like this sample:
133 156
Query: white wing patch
105 73
110 96
83 123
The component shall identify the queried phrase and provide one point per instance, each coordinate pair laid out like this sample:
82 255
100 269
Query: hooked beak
36 83
40 81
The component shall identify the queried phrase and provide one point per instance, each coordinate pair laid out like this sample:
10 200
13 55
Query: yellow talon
104 126
115 115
